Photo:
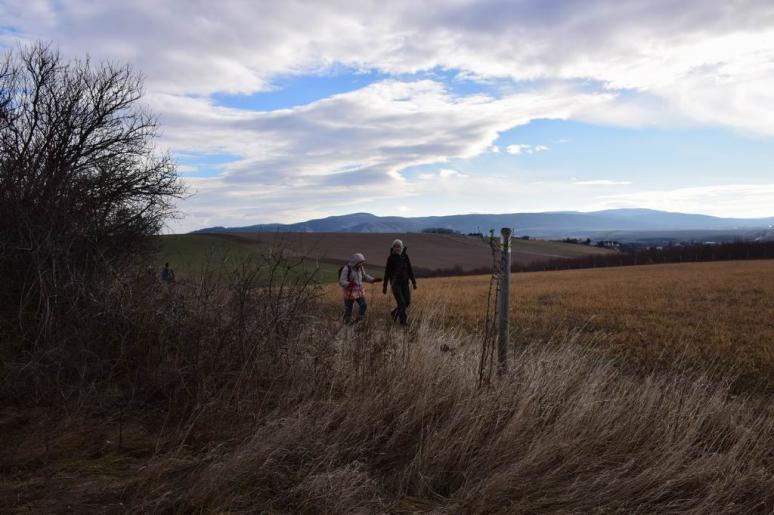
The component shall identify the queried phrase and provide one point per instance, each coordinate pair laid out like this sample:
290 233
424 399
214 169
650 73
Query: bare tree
81 184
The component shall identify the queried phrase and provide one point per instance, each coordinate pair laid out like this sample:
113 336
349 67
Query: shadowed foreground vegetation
235 394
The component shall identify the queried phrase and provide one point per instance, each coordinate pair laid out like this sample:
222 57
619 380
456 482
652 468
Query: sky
292 110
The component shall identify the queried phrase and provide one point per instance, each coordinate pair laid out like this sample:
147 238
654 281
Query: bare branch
80 179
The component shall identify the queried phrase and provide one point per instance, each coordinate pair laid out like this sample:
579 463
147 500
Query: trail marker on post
505 286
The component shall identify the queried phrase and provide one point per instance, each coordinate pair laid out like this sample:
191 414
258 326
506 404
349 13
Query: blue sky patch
579 151
297 90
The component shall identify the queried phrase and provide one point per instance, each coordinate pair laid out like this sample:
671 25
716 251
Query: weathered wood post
505 287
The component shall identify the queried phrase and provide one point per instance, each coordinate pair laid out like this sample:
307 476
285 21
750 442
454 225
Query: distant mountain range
558 224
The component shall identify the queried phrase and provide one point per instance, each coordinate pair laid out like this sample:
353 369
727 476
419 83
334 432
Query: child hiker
351 278
399 272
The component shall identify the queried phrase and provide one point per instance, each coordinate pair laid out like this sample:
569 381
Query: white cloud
639 63
602 182
516 149
525 149
187 169
448 172
711 61
735 200
344 148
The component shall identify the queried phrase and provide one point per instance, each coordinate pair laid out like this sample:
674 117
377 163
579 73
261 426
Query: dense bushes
81 184
137 342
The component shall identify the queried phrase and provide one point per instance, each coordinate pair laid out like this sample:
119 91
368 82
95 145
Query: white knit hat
397 242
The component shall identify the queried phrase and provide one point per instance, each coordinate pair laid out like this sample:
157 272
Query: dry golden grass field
716 316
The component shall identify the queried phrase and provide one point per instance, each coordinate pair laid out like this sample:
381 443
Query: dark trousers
402 294
349 303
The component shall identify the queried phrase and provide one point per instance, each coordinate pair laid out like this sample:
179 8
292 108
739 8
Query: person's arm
369 279
387 274
411 272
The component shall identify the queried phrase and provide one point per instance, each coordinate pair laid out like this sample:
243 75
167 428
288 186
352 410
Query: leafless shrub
81 185
209 348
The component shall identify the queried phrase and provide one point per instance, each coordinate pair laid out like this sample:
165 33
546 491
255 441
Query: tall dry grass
716 316
402 427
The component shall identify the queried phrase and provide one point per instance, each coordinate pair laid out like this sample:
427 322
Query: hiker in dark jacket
398 273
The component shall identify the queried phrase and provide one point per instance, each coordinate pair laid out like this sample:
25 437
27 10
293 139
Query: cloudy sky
281 111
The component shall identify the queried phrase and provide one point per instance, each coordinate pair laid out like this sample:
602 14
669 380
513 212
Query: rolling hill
625 223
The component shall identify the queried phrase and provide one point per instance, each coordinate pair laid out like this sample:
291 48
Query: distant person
150 275
398 272
167 274
351 278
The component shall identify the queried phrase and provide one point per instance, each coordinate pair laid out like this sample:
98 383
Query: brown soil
427 251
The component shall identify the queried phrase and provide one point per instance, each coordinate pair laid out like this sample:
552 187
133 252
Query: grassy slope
191 253
553 249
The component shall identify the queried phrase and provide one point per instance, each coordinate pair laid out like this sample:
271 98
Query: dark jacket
398 269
